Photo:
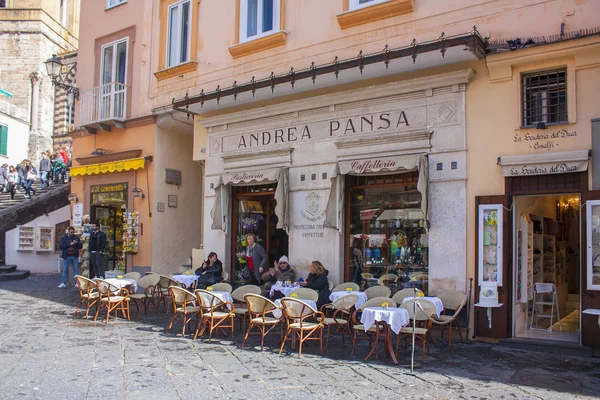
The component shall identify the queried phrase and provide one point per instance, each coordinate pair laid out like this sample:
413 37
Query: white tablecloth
187 280
439 307
286 290
395 317
123 282
225 296
362 297
277 313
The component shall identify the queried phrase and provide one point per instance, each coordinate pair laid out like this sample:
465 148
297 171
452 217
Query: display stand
44 238
489 310
26 238
490 244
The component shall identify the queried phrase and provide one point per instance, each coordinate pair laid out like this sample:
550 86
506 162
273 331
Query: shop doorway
110 219
254 212
547 267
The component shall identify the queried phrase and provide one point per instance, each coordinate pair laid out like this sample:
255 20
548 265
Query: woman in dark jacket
317 280
210 272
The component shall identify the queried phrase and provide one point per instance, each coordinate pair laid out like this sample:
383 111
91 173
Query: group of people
52 168
256 261
70 244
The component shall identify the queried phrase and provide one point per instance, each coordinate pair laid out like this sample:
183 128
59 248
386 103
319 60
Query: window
2 3
178 33
356 4
3 140
258 18
113 80
114 3
544 96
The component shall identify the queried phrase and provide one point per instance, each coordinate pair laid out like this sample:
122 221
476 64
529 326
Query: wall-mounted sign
545 164
109 194
78 214
173 177
173 200
160 206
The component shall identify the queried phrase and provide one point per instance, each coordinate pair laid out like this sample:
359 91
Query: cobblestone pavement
45 353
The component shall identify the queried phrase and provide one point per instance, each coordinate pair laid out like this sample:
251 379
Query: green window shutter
3 140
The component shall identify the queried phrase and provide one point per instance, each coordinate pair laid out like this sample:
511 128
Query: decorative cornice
117 156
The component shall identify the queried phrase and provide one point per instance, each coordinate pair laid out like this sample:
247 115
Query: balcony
104 106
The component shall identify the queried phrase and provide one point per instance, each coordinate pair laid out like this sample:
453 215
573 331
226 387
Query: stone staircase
6 202
10 273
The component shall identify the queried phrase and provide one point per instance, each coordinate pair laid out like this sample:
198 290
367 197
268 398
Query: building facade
32 31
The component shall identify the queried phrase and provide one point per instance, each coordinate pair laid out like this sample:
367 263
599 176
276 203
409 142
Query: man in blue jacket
70 245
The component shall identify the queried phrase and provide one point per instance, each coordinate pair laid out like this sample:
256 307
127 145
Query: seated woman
317 280
282 271
210 272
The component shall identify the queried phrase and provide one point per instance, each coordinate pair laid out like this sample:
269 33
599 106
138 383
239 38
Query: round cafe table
186 279
129 284
362 297
277 313
286 290
392 319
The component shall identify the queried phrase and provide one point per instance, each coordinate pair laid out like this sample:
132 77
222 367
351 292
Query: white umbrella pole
412 355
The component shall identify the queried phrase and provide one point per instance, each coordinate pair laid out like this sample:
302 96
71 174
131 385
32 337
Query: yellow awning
105 168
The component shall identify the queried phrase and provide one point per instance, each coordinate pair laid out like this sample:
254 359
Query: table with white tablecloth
362 297
278 312
186 279
286 290
392 319
127 283
439 306
224 296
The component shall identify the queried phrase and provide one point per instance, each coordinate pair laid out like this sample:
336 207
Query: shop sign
394 121
78 214
107 194
545 141
117 166
313 213
545 169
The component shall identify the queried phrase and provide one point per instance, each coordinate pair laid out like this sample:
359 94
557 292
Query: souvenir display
130 232
490 244
26 238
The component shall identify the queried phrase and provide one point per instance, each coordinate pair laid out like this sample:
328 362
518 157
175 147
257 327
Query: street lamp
54 70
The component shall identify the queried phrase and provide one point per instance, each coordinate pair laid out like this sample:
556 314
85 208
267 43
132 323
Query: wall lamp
72 197
137 192
54 70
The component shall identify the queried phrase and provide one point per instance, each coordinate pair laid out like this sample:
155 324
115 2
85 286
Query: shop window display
385 212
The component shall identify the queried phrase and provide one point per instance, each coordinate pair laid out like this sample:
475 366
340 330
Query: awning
545 163
374 166
105 168
221 211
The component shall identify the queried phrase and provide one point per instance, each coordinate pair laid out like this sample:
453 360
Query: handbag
246 273
31 176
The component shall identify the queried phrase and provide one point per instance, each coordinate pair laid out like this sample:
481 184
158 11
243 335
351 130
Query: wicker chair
387 278
296 314
343 286
306 294
404 293
183 306
214 314
241 310
455 301
133 275
331 284
366 275
163 284
88 294
378 291
112 298
358 329
151 293
224 276
340 319
222 287
423 315
260 311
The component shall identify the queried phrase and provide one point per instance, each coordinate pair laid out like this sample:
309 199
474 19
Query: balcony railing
104 103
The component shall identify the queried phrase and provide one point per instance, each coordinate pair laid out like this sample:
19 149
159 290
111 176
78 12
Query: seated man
282 271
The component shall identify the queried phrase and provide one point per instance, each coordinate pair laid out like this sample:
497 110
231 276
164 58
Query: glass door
593 244
255 213
490 244
112 80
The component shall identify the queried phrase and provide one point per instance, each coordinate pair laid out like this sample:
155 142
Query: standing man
97 246
44 170
70 245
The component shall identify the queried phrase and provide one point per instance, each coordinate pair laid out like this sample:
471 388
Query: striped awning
106 168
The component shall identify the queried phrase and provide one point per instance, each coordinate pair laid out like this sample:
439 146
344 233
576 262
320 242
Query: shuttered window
3 140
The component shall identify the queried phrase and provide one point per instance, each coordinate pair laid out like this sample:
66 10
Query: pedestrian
210 272
356 261
4 177
256 258
30 176
44 170
70 245
97 248
317 280
11 181
21 172
59 168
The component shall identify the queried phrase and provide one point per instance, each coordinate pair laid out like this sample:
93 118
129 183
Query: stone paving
45 353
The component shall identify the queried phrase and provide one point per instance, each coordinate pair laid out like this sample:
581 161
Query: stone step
13 276
5 269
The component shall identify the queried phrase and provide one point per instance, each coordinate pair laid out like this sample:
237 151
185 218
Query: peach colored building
369 133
